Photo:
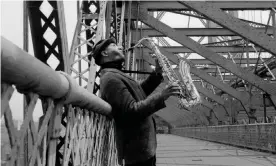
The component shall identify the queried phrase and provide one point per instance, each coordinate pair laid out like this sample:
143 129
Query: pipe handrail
29 74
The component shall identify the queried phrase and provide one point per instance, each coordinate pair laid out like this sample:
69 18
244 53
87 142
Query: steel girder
227 21
197 32
200 62
226 78
238 60
217 49
261 72
225 5
205 52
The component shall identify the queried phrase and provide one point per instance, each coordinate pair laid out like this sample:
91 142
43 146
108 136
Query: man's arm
153 80
118 96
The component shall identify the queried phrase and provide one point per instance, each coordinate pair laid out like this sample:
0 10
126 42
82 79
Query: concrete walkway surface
181 151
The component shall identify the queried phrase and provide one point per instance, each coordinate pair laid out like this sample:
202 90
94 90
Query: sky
12 29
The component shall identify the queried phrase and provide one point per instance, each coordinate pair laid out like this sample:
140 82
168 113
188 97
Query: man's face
114 52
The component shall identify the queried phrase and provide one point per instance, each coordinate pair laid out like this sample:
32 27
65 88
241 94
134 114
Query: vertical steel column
26 48
274 21
92 85
85 32
45 46
88 21
78 40
108 19
128 37
114 22
121 25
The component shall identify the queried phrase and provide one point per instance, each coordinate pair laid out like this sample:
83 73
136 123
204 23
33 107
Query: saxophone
189 95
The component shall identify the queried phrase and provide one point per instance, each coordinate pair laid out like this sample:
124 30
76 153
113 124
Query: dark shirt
132 108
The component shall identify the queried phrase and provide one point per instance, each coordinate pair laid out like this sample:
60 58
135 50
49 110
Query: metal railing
71 130
255 136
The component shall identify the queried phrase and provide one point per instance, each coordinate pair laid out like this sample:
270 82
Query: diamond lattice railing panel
38 134
89 139
64 135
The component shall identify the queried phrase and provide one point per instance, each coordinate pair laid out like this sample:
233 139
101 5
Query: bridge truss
235 72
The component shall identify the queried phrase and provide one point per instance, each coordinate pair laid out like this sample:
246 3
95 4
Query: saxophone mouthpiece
132 46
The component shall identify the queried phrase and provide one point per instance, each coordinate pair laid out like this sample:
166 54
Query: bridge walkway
181 151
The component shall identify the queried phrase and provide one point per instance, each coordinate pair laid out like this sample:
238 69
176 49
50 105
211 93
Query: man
132 104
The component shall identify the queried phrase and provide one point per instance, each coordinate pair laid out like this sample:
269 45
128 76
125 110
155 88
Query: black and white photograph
138 83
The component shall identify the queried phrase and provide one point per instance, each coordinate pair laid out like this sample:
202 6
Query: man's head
107 51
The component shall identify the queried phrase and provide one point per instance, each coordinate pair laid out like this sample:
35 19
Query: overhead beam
233 42
224 5
199 81
237 60
210 68
225 78
225 20
213 69
195 15
142 54
217 49
203 51
196 32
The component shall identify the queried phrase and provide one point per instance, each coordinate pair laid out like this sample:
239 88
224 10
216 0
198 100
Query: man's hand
170 90
158 68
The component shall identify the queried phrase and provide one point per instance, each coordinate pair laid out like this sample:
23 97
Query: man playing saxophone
132 104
